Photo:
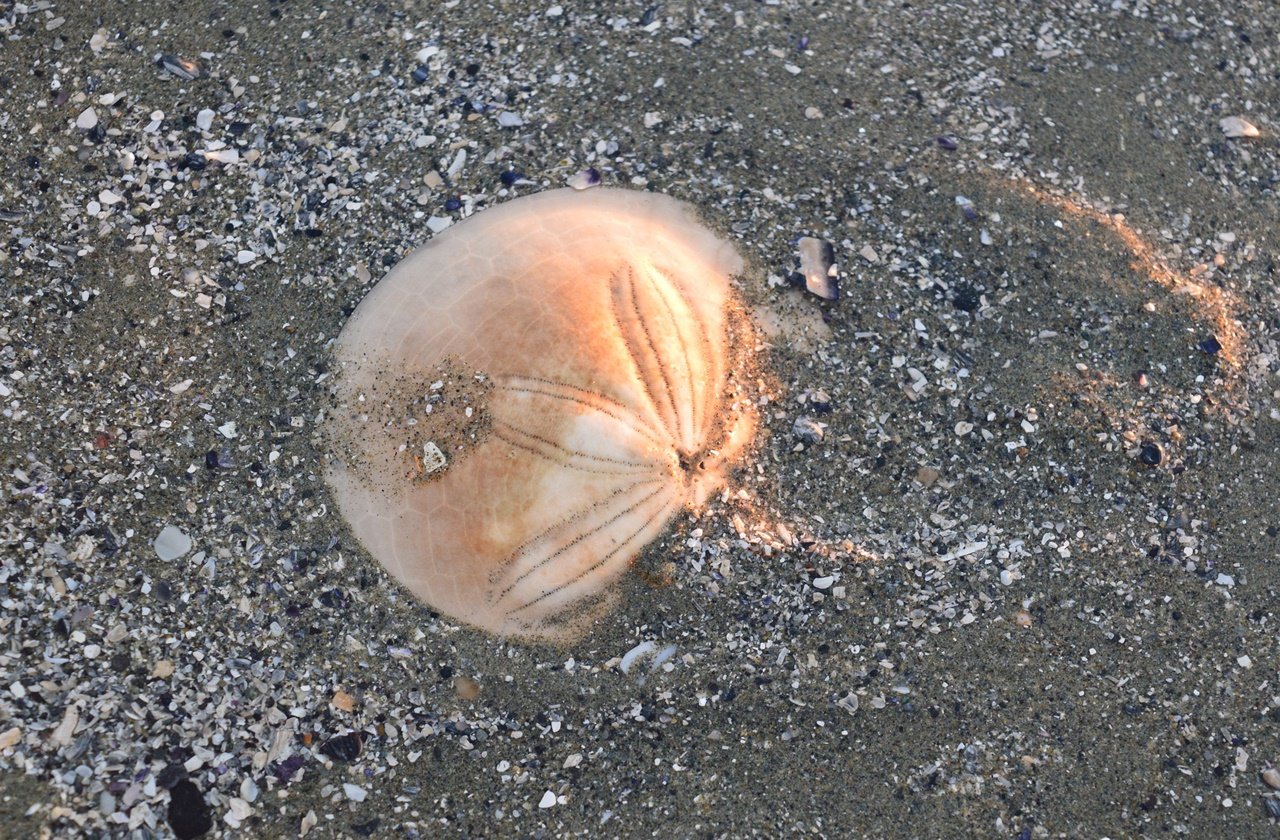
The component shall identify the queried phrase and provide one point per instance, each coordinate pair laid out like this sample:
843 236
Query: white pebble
555 11
548 799
92 651
204 119
246 257
354 792
510 119
88 119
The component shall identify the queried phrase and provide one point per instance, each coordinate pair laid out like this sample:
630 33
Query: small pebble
354 792
548 799
88 119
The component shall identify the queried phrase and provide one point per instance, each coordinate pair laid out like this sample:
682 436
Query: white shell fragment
171 543
629 658
88 119
580 350
432 458
817 264
1238 127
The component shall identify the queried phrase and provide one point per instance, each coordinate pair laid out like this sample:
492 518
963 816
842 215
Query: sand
1002 562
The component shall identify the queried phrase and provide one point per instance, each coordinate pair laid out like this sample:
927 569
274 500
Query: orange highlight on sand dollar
526 402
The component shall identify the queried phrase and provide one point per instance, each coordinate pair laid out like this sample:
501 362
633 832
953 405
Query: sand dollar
527 401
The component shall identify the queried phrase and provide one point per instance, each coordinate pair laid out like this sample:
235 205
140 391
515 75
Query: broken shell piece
646 650
432 458
183 68
585 179
1238 127
808 430
1271 776
817 263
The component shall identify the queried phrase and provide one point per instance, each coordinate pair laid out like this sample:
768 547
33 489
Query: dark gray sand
1022 585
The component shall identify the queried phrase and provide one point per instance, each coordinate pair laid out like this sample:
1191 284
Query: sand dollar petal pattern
567 356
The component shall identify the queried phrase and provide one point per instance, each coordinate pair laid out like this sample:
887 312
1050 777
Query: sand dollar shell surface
527 401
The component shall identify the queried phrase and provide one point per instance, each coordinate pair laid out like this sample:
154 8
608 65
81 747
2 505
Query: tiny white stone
510 119
88 119
1244 661
555 11
548 799
204 119
1225 580
108 198
435 224
92 651
246 257
824 582
1006 577
354 792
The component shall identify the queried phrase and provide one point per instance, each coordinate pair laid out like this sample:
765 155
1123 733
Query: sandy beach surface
1002 562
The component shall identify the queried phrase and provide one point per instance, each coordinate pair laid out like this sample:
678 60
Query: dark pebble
195 161
1150 453
189 814
452 205
966 299
367 829
171 775
509 178
1211 345
333 599
421 74
947 143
